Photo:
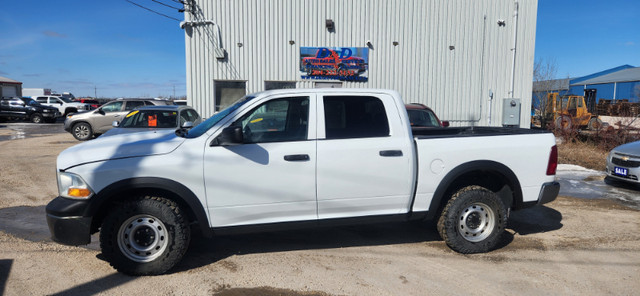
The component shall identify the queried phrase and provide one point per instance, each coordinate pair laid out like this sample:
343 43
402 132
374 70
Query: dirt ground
571 246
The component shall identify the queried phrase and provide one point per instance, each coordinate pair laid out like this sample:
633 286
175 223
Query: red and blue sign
334 63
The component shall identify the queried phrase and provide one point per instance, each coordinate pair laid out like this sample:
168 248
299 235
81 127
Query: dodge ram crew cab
295 158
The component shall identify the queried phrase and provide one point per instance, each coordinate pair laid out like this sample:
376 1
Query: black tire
594 124
36 118
473 220
82 131
144 236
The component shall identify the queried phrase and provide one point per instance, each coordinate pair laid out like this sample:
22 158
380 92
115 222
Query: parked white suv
64 105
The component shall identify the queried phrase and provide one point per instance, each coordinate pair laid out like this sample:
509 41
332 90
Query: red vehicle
422 116
328 62
94 103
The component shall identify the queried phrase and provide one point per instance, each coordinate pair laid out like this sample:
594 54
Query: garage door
9 91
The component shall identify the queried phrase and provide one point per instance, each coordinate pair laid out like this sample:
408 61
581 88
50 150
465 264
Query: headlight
72 186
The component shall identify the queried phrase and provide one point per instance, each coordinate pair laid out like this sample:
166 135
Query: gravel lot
571 246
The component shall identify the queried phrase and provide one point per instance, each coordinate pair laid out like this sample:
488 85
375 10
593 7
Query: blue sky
584 37
116 49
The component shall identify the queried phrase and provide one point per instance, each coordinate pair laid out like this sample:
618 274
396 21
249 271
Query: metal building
471 61
10 88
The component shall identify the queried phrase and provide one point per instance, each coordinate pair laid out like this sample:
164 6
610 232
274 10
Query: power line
167 5
162 14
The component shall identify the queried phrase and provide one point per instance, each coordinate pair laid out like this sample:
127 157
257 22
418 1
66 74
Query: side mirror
188 124
115 124
100 111
445 123
230 136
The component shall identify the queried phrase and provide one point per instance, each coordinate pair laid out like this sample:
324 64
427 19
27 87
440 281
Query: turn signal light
79 192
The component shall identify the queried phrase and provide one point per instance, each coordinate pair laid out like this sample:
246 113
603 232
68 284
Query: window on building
228 92
279 85
354 117
328 85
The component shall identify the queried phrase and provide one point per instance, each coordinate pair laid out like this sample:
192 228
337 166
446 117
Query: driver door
270 176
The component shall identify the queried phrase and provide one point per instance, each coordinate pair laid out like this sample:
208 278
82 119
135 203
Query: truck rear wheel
473 220
145 236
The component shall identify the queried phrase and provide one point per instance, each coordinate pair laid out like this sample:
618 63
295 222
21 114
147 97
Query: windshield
150 119
209 123
30 102
422 117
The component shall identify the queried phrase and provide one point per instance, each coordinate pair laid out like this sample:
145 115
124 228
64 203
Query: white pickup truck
295 158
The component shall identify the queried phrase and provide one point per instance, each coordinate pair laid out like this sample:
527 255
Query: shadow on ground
30 223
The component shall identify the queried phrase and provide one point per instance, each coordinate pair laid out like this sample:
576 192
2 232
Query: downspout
513 49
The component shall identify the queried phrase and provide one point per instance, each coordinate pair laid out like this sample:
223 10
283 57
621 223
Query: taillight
553 161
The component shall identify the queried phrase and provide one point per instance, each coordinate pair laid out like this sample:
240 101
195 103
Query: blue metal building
620 83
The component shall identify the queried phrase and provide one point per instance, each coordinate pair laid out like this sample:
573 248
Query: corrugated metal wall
450 55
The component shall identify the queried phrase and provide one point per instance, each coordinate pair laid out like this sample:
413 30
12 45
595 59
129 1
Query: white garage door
9 91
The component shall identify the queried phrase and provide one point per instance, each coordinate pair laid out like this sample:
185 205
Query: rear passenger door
365 160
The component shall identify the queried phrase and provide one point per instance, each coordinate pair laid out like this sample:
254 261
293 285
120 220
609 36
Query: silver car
86 125
156 117
623 163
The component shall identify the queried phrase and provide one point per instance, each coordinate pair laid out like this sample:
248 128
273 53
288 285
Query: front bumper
51 114
67 223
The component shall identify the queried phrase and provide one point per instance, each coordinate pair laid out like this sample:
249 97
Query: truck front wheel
144 236
473 220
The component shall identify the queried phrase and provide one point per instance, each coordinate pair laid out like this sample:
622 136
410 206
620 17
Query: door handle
391 153
297 157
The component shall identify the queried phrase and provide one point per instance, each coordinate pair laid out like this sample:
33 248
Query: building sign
334 63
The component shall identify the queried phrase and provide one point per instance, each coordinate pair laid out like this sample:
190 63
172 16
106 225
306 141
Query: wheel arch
166 188
68 110
489 174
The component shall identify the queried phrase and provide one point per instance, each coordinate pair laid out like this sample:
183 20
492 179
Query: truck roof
326 91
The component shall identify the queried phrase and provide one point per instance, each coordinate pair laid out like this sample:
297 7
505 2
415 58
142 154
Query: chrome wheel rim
82 131
476 222
142 238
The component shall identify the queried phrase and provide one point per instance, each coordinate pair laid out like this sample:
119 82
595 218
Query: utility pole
95 92
174 91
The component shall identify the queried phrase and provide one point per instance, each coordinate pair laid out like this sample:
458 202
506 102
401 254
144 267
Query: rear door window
354 117
131 105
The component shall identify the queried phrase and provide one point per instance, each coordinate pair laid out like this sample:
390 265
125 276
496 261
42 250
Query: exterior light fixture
291 42
395 43
330 25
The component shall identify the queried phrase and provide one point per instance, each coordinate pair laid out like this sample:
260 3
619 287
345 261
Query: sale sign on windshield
334 63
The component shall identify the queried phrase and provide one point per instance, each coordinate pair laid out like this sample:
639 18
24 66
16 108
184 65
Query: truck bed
470 131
